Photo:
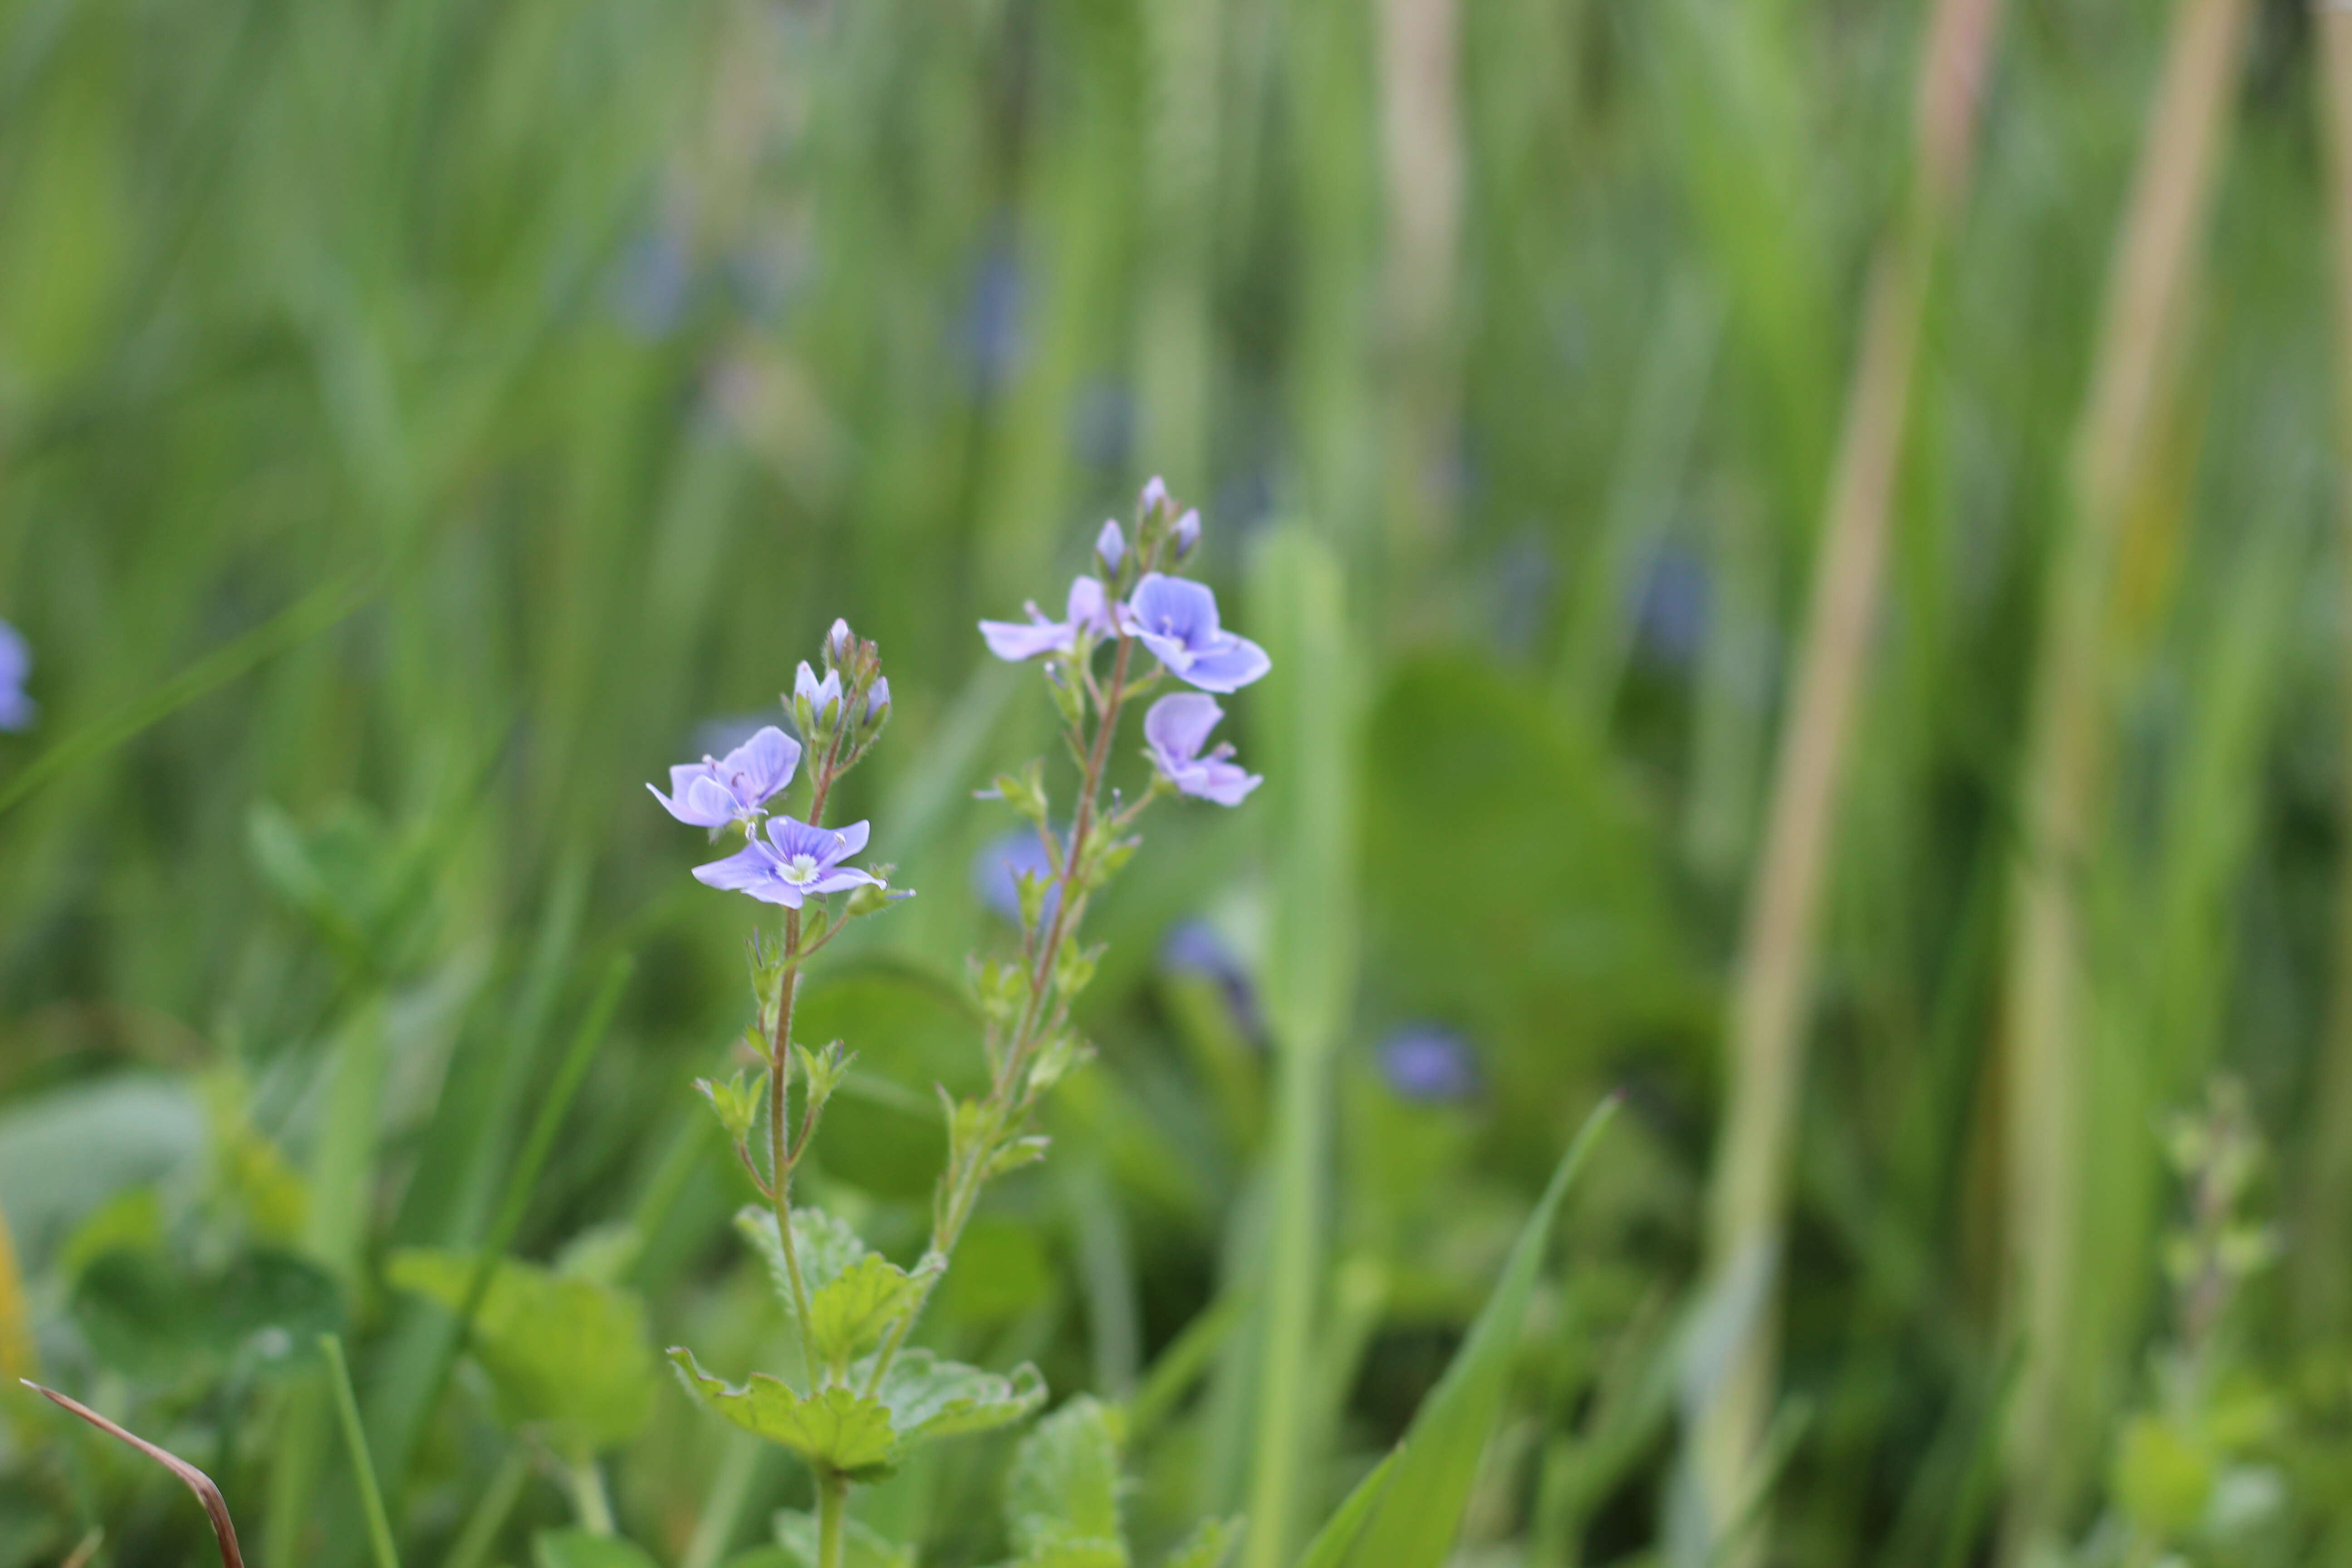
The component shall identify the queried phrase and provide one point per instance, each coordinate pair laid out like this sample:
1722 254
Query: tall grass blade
1420 1508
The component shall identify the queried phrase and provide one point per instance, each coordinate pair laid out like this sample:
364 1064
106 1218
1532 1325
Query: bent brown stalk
216 1505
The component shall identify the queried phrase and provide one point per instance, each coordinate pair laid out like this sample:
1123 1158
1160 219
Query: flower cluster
1173 618
15 663
785 861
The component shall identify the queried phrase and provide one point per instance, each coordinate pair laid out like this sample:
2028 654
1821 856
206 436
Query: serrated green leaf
849 1312
1206 1547
861 1545
1412 1524
827 1247
836 1426
929 1398
586 1549
565 1354
1064 1486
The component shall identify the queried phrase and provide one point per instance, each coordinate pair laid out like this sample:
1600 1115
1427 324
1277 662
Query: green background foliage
421 424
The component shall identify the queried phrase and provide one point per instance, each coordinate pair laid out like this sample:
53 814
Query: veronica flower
1175 730
736 787
1110 546
15 663
791 862
1177 620
1187 533
1086 612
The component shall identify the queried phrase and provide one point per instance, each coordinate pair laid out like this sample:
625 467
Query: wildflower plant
863 1398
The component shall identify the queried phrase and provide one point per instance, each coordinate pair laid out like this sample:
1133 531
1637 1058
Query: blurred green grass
611 350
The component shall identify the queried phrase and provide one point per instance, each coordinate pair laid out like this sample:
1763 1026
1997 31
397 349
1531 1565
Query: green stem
362 1468
832 1513
779 1150
1004 1095
586 1484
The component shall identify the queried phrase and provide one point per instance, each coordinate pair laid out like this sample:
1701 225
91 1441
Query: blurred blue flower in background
1195 947
1429 1064
996 869
17 709
1670 613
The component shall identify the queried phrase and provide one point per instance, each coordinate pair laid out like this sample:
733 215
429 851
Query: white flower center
798 869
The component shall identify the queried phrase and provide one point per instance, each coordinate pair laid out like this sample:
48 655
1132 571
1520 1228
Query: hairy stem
1005 1103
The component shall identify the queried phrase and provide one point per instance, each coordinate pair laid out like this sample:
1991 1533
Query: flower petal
1087 610
1175 607
740 872
1177 725
842 877
765 762
1233 663
687 809
853 840
1013 641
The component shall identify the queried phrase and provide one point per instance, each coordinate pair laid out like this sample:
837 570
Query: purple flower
1175 730
1086 612
15 662
877 698
1177 620
791 862
1187 532
1154 496
839 641
1429 1064
1110 546
736 787
996 872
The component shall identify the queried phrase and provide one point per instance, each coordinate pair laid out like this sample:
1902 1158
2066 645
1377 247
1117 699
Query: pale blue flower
1154 496
791 862
17 709
1086 612
1177 619
1110 546
1187 532
736 787
1175 730
877 698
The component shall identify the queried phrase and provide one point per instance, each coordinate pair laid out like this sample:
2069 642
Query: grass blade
1422 1501
347 1409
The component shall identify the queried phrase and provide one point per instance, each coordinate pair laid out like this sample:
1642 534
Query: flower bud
1154 497
1111 548
839 643
877 701
1187 532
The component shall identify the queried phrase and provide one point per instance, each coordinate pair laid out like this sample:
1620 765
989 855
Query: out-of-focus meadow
1838 506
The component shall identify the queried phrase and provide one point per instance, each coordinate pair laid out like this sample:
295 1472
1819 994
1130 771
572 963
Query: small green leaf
565 1354
849 1312
735 1102
1019 1153
836 1427
930 1398
861 1545
1064 1487
585 1549
1206 1547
